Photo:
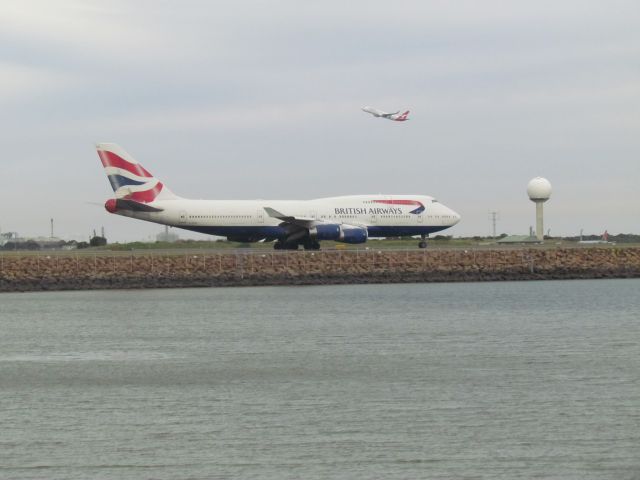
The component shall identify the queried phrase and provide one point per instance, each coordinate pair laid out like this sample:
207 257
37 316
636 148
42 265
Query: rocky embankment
30 272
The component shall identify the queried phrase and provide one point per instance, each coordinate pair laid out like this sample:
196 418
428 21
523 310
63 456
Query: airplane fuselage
348 219
247 220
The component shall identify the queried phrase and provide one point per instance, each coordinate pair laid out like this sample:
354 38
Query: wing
297 227
300 228
301 222
389 115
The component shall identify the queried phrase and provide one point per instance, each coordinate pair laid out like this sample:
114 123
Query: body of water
446 381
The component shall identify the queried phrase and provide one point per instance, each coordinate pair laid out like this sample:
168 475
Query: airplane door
374 219
420 217
260 215
183 217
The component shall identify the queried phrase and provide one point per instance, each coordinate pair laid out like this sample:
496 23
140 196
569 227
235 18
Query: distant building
11 241
519 239
49 243
7 237
604 238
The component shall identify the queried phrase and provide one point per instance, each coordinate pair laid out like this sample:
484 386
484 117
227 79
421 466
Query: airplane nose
456 217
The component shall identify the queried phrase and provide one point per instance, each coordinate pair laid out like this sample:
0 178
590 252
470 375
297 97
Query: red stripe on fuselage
399 202
110 159
145 196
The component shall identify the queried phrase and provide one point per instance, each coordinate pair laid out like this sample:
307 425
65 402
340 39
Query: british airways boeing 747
290 223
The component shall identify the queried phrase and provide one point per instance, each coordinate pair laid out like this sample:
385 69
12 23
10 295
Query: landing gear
423 242
311 245
308 244
279 245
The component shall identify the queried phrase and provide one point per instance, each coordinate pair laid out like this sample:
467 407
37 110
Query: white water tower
539 191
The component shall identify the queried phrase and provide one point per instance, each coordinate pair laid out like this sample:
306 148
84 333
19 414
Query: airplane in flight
395 116
289 223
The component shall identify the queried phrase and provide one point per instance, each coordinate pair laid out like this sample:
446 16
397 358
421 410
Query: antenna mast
494 217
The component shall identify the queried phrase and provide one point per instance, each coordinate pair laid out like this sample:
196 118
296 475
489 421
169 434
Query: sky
261 99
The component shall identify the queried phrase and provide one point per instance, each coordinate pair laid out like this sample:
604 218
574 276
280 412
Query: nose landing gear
423 241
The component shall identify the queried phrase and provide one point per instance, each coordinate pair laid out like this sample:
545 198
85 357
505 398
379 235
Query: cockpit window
434 200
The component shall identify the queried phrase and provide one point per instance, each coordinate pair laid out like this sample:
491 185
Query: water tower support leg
539 223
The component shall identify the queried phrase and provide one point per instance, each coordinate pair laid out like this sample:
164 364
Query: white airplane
290 223
395 116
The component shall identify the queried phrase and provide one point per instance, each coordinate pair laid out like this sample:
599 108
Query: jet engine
339 233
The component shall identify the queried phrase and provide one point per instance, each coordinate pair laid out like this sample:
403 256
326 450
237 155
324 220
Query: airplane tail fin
129 179
403 117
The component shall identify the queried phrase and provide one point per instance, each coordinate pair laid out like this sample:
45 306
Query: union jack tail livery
130 180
